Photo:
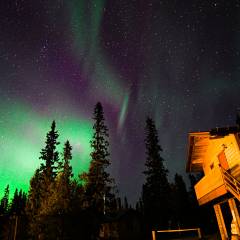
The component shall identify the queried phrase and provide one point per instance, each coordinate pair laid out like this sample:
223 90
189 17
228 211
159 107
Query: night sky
175 61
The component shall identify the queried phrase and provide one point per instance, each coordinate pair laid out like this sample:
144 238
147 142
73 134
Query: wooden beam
198 230
235 215
221 223
153 235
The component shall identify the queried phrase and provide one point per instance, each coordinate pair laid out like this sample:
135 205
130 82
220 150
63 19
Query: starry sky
175 61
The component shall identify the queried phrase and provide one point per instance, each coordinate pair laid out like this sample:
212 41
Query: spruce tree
61 190
42 182
48 169
49 155
18 203
98 182
34 194
14 205
67 169
4 204
33 204
156 189
59 201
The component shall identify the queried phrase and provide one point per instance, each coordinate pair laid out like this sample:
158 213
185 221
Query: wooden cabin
216 153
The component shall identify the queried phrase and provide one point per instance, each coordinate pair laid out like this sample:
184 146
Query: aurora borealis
176 61
24 143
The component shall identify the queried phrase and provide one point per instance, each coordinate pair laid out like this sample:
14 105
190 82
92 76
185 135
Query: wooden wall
211 185
216 145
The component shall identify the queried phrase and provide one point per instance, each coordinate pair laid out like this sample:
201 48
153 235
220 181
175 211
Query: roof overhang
197 146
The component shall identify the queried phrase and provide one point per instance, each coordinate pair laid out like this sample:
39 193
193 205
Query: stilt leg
221 223
235 214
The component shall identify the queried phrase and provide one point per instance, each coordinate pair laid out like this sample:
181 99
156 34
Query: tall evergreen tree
42 182
59 200
18 203
156 189
61 189
4 204
34 203
48 169
14 204
99 185
34 194
50 155
67 169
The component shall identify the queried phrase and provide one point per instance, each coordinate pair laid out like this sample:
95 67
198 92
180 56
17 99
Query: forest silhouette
60 206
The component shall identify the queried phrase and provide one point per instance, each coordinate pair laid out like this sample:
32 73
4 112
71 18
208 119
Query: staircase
231 183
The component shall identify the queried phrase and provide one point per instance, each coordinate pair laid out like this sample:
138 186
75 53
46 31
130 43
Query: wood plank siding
211 186
206 153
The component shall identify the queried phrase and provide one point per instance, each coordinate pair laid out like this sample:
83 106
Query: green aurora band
86 28
24 131
23 136
123 112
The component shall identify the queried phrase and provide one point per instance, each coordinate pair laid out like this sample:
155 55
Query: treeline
165 204
59 206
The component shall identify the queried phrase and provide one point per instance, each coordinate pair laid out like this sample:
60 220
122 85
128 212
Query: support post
199 233
221 223
235 214
153 235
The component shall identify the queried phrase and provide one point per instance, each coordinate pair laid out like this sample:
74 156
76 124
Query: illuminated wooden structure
217 154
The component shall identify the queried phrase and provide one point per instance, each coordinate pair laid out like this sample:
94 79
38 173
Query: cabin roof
198 143
223 131
197 146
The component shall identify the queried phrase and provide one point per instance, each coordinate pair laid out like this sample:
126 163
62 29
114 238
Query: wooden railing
231 183
198 230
